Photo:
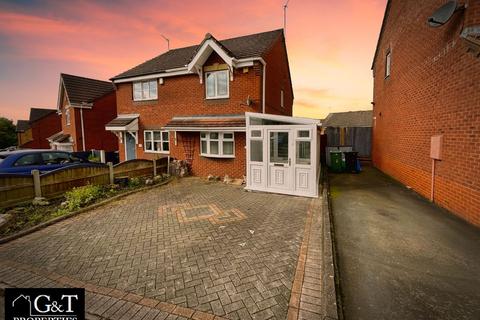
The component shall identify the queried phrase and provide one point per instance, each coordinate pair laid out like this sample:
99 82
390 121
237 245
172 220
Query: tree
8 136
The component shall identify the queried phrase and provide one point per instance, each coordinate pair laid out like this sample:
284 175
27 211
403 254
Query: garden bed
21 218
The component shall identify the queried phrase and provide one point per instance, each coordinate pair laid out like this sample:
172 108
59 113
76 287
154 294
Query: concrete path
400 257
191 249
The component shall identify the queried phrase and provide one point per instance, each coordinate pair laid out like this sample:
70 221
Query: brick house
85 106
190 103
33 133
426 84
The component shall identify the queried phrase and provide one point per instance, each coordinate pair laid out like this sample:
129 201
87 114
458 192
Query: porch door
129 147
280 168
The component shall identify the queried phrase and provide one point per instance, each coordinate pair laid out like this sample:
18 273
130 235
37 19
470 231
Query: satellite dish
442 14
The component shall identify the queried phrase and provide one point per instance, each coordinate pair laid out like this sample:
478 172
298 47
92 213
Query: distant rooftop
349 119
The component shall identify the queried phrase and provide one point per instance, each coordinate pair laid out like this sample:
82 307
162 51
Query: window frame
142 83
388 64
309 139
220 140
67 116
153 140
216 96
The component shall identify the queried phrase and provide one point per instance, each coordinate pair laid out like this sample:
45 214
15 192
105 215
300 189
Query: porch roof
232 122
124 122
59 137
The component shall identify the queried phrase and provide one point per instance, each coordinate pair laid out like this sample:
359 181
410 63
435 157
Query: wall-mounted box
436 147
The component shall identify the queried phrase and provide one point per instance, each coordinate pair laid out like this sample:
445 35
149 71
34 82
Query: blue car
24 161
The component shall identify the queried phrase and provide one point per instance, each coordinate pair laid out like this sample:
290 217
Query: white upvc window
157 141
67 116
388 62
282 103
216 84
145 90
217 144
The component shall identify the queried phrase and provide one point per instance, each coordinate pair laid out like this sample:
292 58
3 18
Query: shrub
81 196
134 182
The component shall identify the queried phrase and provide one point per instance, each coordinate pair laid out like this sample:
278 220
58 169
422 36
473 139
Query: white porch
283 154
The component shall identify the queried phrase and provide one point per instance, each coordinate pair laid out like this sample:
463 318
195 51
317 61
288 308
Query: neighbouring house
85 106
350 129
191 103
426 101
33 133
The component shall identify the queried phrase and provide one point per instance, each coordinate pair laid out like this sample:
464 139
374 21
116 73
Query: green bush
134 182
93 158
82 196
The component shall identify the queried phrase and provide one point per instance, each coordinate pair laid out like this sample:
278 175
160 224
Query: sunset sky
330 44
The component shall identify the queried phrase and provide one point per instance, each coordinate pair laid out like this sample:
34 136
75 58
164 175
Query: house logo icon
45 303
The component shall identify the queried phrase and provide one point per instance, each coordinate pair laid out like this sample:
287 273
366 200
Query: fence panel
133 168
58 181
15 188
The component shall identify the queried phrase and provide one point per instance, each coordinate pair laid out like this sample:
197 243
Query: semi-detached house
194 104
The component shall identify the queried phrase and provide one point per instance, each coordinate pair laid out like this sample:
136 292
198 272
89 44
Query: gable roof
22 126
384 22
349 119
38 113
249 46
84 90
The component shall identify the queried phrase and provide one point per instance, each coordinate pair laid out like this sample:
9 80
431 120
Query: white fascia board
81 106
209 129
204 52
182 71
288 119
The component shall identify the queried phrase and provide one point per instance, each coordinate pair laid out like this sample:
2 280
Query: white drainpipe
263 83
83 129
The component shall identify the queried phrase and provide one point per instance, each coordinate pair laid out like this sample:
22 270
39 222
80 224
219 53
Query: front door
280 169
129 147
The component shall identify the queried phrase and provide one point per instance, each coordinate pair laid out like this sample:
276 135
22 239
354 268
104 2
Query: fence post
102 156
154 167
110 172
36 183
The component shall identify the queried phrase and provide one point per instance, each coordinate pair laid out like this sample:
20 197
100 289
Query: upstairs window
388 60
145 90
157 141
216 84
67 116
217 144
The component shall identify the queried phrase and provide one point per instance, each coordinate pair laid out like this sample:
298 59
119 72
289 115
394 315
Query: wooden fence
16 188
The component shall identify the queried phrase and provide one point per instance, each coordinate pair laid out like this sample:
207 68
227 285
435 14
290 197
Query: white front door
280 168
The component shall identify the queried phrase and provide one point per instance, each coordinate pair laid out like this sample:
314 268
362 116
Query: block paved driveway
203 246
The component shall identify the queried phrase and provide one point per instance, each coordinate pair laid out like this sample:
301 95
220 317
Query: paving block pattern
150 245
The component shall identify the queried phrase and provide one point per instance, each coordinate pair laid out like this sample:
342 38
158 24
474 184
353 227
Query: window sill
161 152
218 98
217 156
143 100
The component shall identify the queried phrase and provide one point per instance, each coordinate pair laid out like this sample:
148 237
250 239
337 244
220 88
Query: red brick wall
278 78
41 130
94 121
433 89
103 111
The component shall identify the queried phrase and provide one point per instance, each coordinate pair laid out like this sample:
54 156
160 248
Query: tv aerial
443 14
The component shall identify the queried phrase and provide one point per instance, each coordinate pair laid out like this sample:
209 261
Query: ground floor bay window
217 144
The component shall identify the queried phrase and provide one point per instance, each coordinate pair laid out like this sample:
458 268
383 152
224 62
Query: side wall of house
71 128
433 89
44 128
94 120
277 79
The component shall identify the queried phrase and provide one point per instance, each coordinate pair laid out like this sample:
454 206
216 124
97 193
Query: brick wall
94 121
40 130
433 89
185 95
278 78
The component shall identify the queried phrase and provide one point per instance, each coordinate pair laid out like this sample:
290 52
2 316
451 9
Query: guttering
203 129
167 73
